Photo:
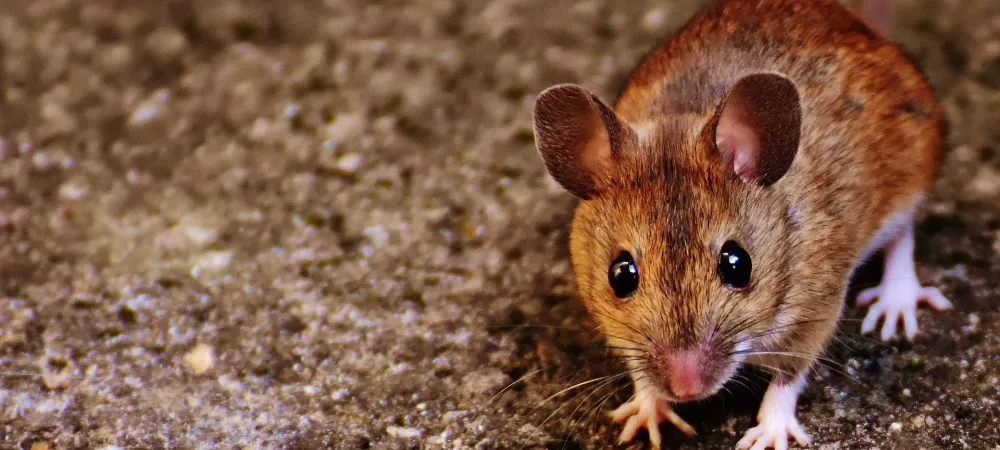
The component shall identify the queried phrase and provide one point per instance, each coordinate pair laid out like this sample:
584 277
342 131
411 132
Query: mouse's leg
647 408
776 418
900 292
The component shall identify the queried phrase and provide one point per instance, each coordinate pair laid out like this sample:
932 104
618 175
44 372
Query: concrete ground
323 224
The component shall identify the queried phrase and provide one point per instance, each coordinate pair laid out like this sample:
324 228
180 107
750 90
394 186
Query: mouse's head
680 243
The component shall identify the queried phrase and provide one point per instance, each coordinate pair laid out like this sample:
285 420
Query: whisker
512 383
606 380
582 402
20 374
575 386
626 325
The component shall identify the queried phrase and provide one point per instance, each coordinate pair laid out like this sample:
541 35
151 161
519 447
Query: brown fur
870 145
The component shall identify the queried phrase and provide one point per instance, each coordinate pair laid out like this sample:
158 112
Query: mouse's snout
683 373
689 373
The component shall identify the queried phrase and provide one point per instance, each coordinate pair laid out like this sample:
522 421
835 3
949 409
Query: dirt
323 224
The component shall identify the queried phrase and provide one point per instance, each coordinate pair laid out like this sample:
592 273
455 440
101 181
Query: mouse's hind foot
898 300
900 293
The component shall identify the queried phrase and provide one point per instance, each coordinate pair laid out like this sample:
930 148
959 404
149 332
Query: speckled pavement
318 224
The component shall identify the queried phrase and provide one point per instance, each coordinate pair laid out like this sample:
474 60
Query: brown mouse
754 160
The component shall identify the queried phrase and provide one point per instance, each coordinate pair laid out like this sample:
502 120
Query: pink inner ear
595 153
738 143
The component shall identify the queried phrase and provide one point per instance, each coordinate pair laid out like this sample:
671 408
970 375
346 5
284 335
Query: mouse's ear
758 126
578 138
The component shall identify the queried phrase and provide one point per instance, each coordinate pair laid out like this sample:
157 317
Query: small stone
653 20
986 184
349 162
42 445
166 43
57 116
340 394
212 261
71 190
150 108
200 358
896 426
452 416
198 234
401 432
378 235
346 127
56 380
116 58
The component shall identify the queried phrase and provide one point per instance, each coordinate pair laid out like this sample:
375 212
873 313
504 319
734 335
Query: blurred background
323 224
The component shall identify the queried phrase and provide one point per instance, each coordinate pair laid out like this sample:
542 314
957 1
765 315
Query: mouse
754 160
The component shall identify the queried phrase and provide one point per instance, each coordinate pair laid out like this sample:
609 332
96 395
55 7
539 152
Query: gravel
323 224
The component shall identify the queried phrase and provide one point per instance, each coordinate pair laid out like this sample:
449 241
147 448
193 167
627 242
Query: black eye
623 275
734 265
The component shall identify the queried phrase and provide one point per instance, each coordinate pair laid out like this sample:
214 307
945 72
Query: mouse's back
870 123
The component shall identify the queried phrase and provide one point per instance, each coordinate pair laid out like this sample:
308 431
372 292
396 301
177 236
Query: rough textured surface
323 224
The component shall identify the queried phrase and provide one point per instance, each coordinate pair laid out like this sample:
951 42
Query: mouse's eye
623 275
734 265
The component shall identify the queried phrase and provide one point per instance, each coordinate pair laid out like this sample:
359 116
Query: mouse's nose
685 373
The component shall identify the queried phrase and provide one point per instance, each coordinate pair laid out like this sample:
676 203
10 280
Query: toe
871 319
624 411
748 439
628 432
910 323
677 421
781 441
798 434
935 298
889 327
762 443
654 433
867 296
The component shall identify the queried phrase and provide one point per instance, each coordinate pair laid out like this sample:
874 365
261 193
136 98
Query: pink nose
684 374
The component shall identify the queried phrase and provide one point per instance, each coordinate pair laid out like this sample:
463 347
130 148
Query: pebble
349 162
71 190
986 184
346 127
150 108
166 43
401 432
378 235
452 416
200 358
212 261
653 20
198 234
116 59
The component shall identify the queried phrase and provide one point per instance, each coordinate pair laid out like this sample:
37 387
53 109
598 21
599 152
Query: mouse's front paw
773 432
647 409
898 299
